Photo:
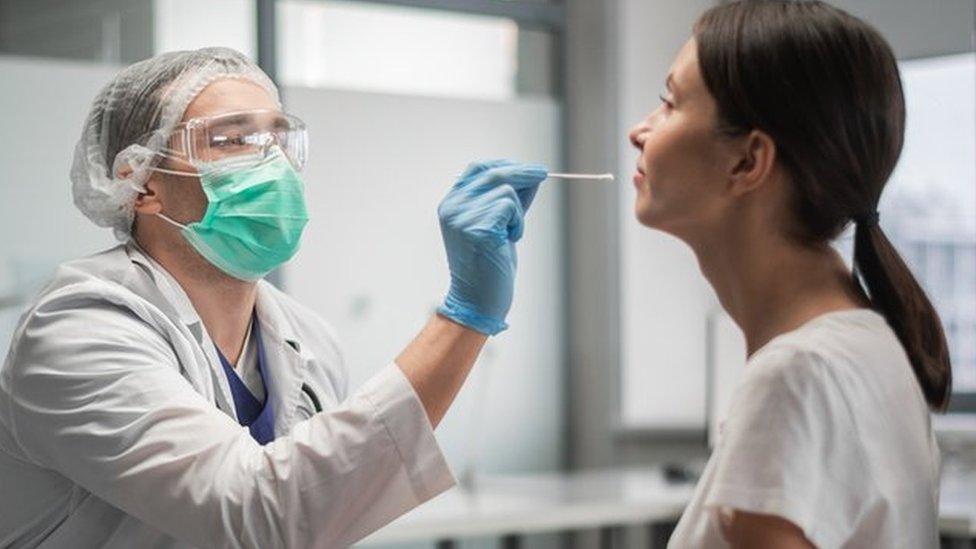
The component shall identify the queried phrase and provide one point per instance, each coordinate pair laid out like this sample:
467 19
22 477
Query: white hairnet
131 120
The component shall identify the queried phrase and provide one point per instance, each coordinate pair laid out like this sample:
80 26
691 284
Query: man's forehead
230 95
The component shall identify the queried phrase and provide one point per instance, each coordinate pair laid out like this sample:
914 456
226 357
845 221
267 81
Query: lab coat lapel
163 291
285 360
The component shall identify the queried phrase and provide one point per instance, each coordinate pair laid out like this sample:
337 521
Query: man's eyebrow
669 82
249 119
236 119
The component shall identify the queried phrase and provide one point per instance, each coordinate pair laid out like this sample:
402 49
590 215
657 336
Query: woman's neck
770 286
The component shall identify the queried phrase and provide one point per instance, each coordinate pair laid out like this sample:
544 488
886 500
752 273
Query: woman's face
683 165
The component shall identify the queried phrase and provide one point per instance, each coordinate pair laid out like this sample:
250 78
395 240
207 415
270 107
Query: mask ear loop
171 221
174 172
161 215
139 159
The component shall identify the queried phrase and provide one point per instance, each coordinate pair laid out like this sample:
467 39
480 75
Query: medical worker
779 127
160 394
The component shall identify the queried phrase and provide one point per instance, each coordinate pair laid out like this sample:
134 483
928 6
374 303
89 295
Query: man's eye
228 141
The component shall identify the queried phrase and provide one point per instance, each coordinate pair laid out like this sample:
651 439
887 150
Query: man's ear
148 201
755 157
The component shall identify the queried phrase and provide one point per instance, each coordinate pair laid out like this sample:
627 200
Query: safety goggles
242 139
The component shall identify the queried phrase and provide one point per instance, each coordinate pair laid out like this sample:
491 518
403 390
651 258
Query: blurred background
585 423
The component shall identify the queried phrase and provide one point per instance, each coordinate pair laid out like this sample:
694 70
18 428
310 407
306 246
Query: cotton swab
593 176
578 176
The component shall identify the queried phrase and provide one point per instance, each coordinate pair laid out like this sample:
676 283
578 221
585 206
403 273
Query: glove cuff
467 317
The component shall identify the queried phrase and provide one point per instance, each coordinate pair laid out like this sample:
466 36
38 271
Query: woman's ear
755 156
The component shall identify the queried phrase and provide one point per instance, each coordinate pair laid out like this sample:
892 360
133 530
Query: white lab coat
118 429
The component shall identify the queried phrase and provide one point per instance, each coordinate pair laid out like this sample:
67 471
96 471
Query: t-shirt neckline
853 311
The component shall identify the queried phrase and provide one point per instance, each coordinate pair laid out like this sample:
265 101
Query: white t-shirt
828 429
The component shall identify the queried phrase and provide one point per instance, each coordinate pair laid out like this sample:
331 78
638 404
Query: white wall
42 104
373 262
664 298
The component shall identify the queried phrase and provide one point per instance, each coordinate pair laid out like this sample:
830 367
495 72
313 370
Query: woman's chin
654 218
646 214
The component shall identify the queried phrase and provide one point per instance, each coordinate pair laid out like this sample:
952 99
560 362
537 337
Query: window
929 207
402 49
189 24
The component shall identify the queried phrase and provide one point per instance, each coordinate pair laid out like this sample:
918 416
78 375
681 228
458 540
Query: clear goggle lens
243 138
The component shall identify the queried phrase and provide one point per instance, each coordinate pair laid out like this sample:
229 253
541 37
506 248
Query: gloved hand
482 218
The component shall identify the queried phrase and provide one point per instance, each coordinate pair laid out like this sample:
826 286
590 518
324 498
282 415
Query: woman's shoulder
787 375
820 433
847 342
848 360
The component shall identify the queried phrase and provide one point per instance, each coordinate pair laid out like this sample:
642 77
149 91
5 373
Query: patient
779 127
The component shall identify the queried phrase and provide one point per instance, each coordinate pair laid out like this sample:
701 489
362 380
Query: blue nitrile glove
482 218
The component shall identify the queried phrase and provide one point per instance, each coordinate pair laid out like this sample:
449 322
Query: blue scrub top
257 416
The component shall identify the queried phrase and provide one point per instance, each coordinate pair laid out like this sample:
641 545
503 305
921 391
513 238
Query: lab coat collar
268 310
166 293
273 318
288 360
177 300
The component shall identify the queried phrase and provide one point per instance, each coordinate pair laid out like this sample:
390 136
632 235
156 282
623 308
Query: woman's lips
638 178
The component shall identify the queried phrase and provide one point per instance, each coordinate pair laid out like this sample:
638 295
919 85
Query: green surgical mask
254 219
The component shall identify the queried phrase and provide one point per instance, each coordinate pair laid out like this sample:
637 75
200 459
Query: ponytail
896 294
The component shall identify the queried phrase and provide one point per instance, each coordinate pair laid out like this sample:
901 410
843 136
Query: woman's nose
639 132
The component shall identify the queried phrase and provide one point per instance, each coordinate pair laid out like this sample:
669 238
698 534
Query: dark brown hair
824 85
